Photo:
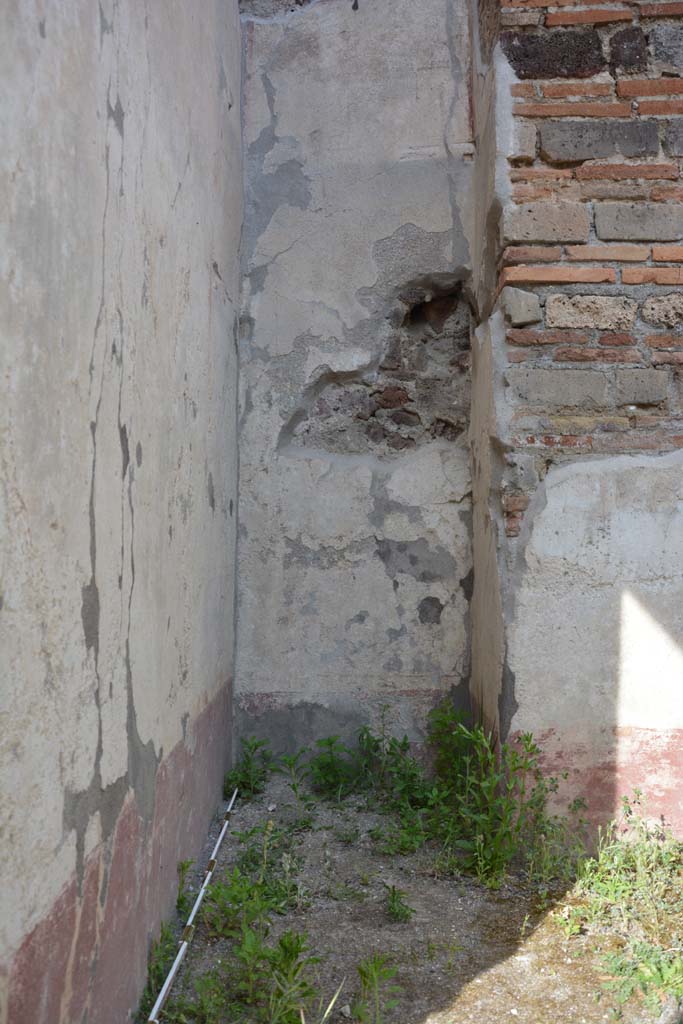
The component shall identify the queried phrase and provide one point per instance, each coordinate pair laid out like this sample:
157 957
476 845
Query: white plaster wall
596 621
121 176
359 167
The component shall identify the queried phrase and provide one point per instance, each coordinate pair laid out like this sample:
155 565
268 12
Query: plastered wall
576 626
365 227
121 174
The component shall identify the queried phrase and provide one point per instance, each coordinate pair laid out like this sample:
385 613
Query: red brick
664 340
669 358
520 355
650 86
515 502
562 441
660 107
605 253
616 339
528 193
603 188
559 275
556 90
652 275
522 89
620 171
573 109
661 10
589 17
533 4
513 523
521 336
597 355
664 193
667 253
532 254
539 173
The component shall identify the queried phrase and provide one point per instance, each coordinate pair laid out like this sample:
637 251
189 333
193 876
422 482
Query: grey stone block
566 141
673 136
567 54
638 222
641 387
520 307
667 45
665 310
574 389
546 222
605 312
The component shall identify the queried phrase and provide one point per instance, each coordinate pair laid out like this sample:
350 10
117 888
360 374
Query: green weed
397 908
161 955
377 994
184 899
333 770
251 772
633 888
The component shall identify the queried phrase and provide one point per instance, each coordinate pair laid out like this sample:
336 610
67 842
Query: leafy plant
184 898
296 771
333 770
634 887
251 772
208 1007
161 955
327 1011
291 989
397 908
377 994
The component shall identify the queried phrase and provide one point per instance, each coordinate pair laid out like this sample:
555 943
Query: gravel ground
467 954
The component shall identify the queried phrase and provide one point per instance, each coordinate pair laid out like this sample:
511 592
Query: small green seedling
397 908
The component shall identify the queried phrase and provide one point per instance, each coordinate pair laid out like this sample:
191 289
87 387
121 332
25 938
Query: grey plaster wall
121 174
365 228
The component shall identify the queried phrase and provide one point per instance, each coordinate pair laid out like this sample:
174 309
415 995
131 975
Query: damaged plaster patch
417 559
429 610
417 391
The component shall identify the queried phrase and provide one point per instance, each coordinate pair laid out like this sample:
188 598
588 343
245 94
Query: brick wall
592 258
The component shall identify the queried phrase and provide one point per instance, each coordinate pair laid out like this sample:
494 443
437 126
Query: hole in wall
417 391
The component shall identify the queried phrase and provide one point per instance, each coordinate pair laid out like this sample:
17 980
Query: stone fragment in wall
511 19
628 50
667 46
605 312
673 137
666 310
523 145
641 387
558 389
520 307
573 141
570 54
546 222
638 222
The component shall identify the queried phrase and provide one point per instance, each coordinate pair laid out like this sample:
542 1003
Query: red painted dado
615 763
90 951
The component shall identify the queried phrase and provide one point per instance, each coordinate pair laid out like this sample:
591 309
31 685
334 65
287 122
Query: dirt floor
467 954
